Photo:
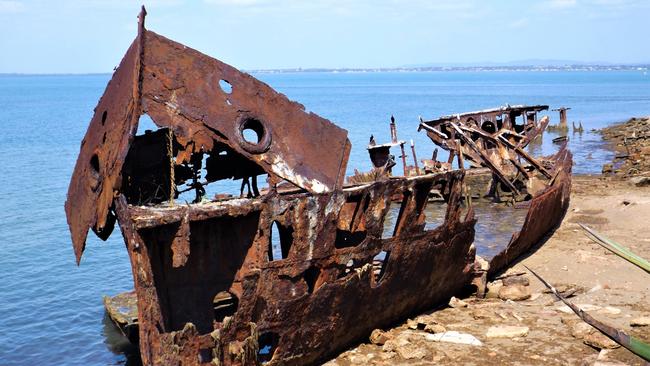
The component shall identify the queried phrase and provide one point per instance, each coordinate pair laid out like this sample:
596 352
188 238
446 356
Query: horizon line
442 67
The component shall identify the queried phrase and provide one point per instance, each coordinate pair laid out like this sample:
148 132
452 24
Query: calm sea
51 310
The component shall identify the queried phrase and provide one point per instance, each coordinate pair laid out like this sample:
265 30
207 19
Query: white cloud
11 6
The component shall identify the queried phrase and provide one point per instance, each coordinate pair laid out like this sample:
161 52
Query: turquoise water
51 310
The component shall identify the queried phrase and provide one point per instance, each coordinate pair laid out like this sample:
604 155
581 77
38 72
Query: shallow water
495 224
51 310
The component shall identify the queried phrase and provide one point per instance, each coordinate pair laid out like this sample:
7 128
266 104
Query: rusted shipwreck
312 301
489 145
210 288
492 143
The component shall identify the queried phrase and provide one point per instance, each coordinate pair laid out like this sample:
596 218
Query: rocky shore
519 322
631 142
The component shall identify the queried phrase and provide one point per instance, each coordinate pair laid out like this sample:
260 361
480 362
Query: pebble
506 331
434 328
379 337
457 303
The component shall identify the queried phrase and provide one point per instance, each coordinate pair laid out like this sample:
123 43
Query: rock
414 324
506 331
359 359
581 329
457 303
610 310
387 355
435 328
607 168
379 337
411 352
516 280
643 321
395 343
583 307
514 293
454 337
480 314
482 263
640 181
600 341
493 289
604 360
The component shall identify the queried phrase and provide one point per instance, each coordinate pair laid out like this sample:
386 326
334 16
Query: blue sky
66 36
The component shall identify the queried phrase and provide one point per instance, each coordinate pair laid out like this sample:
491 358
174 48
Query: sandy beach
538 329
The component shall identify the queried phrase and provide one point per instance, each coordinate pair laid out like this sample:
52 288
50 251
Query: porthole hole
104 116
251 136
225 86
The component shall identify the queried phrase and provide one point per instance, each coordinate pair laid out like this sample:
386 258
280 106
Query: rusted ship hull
325 295
545 213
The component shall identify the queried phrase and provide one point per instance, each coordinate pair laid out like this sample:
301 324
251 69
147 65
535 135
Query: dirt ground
614 291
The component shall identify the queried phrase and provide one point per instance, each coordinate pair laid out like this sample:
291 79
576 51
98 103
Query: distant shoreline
641 67
541 68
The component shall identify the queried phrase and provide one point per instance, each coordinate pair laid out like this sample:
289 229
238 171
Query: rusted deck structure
210 288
